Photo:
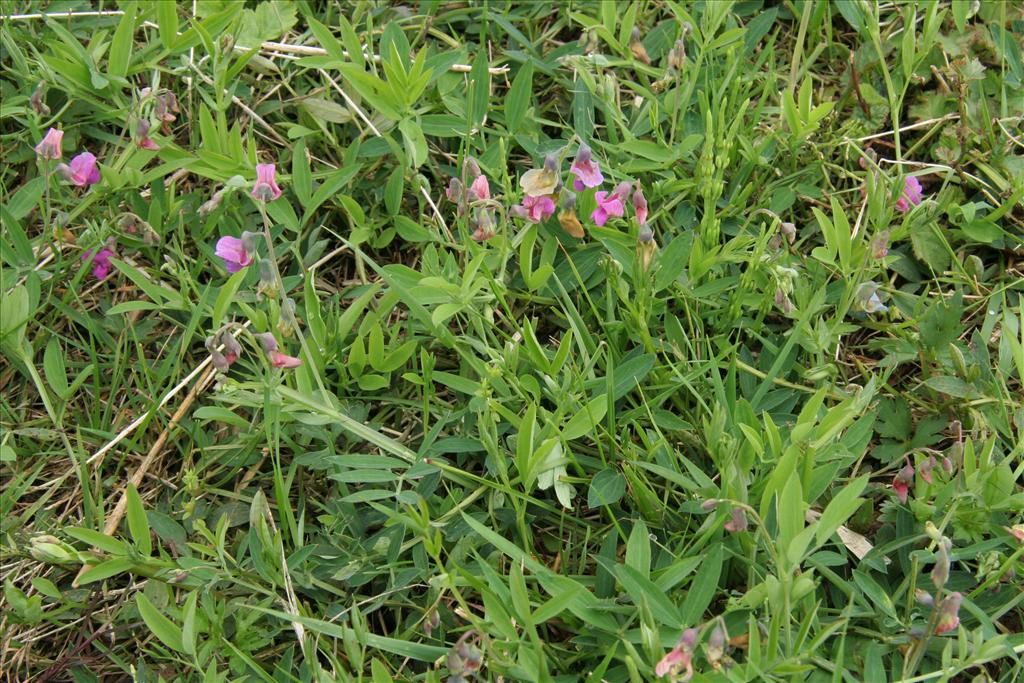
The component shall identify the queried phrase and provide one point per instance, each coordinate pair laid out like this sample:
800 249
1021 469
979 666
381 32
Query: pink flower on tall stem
588 171
265 189
101 265
82 171
911 194
237 253
49 146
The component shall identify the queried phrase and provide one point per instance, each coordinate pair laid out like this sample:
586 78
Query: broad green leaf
586 419
163 628
517 101
138 526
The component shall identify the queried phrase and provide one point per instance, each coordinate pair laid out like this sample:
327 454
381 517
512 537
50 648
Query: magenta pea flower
101 265
926 467
534 209
609 205
82 171
237 253
640 205
281 360
49 146
588 171
911 194
265 189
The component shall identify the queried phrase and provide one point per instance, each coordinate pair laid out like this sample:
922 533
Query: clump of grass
618 341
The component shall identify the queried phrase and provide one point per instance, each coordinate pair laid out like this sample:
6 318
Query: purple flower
265 189
911 194
678 663
588 171
926 467
142 138
49 146
101 264
237 253
267 341
82 171
609 205
640 205
534 209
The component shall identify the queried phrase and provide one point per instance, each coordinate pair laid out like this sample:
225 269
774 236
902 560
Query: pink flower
911 194
902 481
265 189
609 205
949 613
101 264
281 360
237 253
737 522
49 146
480 188
82 171
678 663
640 205
142 138
926 467
534 209
588 171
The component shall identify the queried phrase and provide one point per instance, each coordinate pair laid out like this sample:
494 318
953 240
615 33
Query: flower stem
279 281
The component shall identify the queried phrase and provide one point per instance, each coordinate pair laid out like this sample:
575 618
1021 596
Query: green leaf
167 21
104 570
163 628
26 198
586 419
840 508
702 588
606 488
138 525
638 548
415 143
98 540
790 506
393 191
479 89
54 368
982 230
642 589
122 42
517 101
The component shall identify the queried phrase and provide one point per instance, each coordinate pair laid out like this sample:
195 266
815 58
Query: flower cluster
238 253
476 199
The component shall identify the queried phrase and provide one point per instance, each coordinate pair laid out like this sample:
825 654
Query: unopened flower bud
715 648
232 349
268 280
636 46
949 613
788 230
36 100
646 246
880 245
472 169
923 597
267 341
709 504
940 572
249 240
219 361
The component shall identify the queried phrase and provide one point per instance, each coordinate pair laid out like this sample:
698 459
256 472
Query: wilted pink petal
949 613
49 146
265 189
926 467
737 522
281 360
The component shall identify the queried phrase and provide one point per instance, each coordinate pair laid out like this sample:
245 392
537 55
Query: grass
784 413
